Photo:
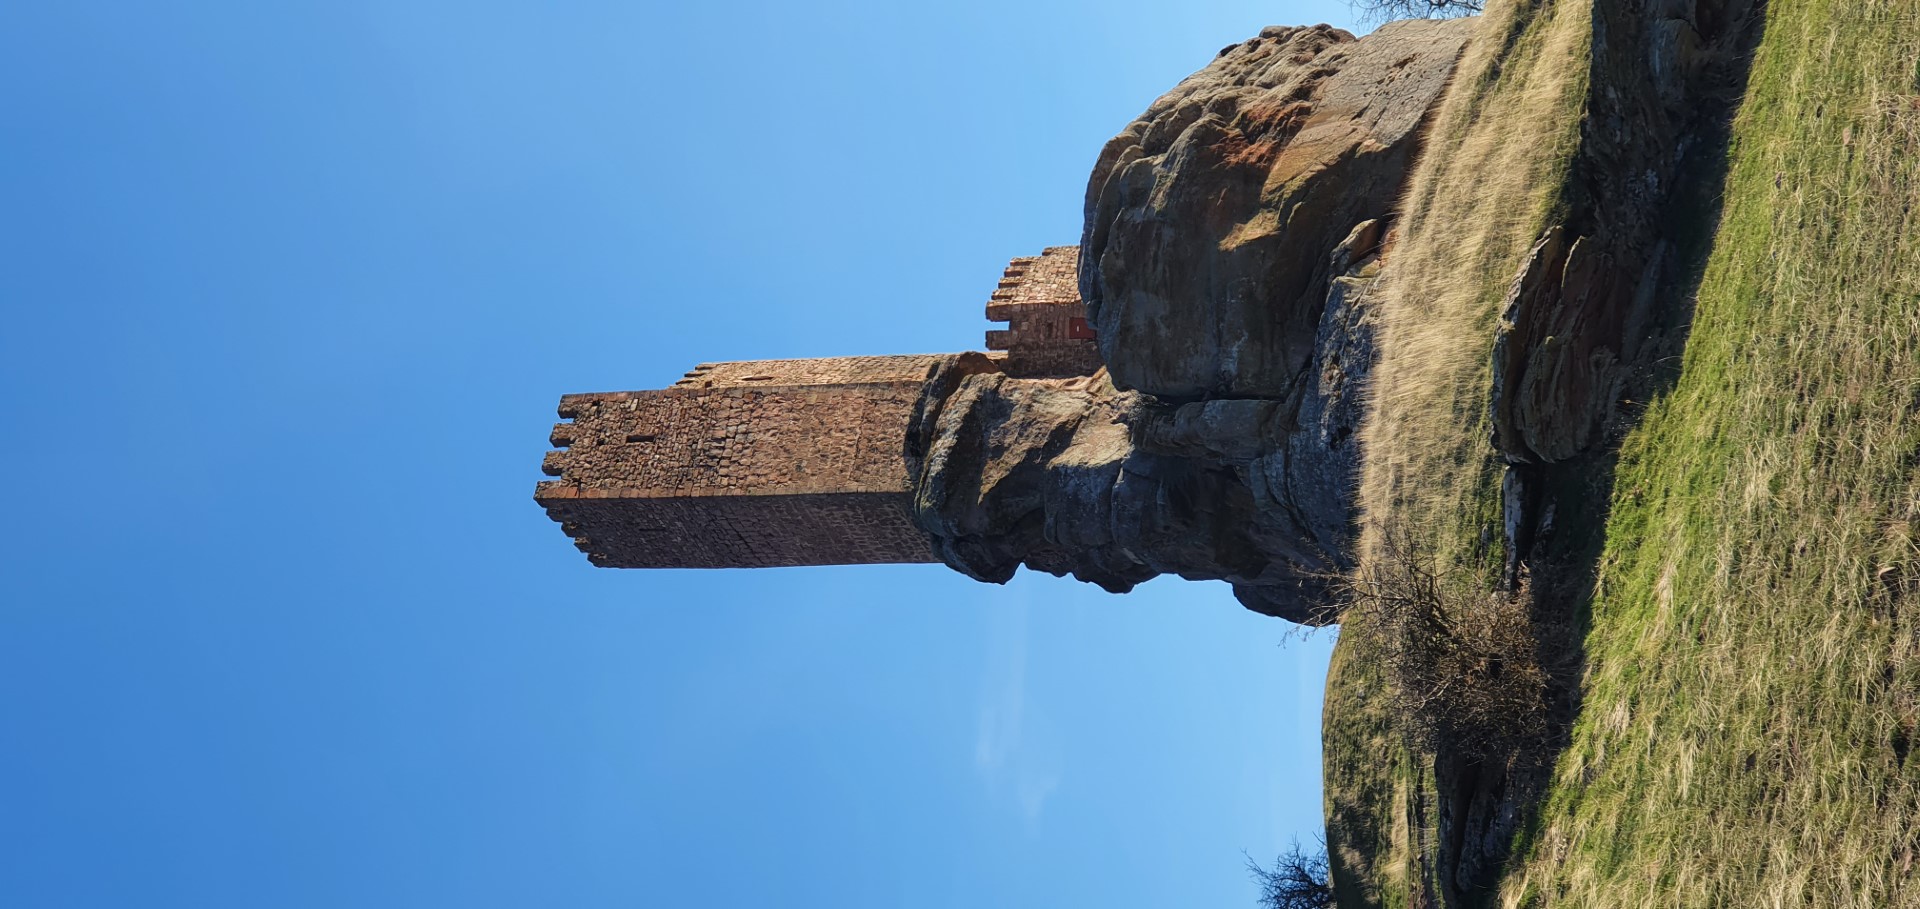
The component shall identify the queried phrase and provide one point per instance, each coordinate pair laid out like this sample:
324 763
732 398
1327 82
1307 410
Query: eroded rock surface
1210 220
1594 307
1075 476
1047 473
1233 232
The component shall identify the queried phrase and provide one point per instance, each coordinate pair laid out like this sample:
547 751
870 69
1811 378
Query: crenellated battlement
1047 332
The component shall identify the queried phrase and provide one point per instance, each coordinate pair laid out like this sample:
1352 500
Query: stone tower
742 465
773 463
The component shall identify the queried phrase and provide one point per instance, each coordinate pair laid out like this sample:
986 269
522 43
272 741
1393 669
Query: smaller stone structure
1047 333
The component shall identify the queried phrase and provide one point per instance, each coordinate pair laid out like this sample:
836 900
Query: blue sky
291 291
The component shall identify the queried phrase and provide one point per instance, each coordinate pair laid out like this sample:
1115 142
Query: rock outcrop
1232 234
1211 218
1584 317
1037 471
1053 474
1075 476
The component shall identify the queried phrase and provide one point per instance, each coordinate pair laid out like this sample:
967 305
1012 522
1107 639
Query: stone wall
750 464
738 531
1047 333
909 368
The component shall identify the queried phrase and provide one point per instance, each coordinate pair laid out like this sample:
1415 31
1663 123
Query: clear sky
291 291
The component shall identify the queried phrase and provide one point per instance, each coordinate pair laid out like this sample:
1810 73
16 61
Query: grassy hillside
1752 684
1371 779
1751 687
1490 182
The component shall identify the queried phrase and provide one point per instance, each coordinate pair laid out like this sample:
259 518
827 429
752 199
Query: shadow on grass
1557 513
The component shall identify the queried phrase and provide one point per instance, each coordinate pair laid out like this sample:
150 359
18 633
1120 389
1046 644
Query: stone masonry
1047 334
754 464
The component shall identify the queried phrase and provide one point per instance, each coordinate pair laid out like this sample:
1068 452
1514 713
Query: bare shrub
1298 880
1465 660
1383 10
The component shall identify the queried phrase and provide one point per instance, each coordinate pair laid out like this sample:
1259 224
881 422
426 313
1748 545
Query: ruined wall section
1047 333
817 371
756 464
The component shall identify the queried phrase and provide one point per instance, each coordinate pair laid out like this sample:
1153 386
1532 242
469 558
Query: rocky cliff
1572 373
1566 356
1231 235
1589 347
1210 220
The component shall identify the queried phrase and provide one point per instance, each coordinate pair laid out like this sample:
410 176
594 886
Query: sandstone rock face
1582 322
1046 473
1314 475
1074 476
1232 236
1211 218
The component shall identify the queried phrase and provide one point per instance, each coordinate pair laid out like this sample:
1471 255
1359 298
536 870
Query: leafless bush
1384 10
1465 660
1298 880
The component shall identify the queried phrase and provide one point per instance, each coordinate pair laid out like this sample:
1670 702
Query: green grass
1752 677
1371 778
1752 689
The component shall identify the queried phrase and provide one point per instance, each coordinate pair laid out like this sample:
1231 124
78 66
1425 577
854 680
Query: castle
771 463
1581 381
1176 395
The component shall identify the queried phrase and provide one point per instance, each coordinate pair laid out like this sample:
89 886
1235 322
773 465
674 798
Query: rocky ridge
1232 234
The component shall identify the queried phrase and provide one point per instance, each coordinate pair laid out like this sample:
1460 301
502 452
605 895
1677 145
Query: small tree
1383 10
1298 880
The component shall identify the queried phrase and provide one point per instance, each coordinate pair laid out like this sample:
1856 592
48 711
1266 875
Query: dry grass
1489 184
1753 685
1754 660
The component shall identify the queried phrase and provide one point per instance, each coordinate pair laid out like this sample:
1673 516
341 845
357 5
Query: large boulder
1210 220
1043 472
1233 237
1073 476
